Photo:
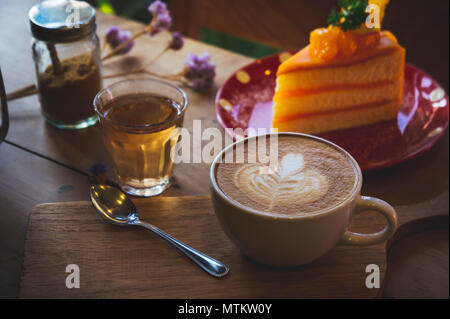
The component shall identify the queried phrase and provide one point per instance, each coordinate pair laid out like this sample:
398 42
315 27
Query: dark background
260 27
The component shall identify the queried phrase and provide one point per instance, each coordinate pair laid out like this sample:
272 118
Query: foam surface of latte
309 176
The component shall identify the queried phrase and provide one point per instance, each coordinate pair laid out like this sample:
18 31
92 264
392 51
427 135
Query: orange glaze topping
329 43
305 58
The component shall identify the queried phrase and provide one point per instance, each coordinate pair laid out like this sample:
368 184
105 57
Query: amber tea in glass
140 121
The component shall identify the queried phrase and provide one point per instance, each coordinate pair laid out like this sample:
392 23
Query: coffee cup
296 211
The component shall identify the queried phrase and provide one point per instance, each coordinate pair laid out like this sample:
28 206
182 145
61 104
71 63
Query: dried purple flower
158 7
199 71
177 41
162 22
115 37
111 33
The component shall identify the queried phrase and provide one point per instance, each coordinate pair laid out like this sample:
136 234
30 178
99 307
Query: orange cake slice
316 93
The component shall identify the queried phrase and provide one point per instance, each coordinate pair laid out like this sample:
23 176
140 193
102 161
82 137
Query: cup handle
369 203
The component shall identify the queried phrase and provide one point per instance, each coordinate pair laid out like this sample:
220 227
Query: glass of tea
140 121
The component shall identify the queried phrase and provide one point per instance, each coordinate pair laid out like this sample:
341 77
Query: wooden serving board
118 262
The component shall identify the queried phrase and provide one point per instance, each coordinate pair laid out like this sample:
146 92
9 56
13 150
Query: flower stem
103 45
28 90
156 57
122 45
140 69
171 77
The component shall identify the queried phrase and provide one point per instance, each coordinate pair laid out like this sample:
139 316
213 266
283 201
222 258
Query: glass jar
66 54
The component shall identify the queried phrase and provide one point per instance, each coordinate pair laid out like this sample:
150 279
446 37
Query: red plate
245 101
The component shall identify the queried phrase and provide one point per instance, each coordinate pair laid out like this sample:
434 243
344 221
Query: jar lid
62 20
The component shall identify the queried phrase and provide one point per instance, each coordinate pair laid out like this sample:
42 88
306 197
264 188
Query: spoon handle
210 265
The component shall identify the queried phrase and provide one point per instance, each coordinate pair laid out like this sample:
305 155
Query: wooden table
41 164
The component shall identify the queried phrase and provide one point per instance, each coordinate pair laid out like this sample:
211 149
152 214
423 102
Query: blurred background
137 10
257 28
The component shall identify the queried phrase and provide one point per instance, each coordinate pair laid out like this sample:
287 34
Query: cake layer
336 120
385 67
297 102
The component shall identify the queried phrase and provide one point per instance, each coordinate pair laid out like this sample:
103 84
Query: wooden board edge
135 200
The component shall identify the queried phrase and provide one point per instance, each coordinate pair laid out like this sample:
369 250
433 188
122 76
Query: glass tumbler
141 121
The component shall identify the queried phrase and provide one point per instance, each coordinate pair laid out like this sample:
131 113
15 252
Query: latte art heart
289 183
